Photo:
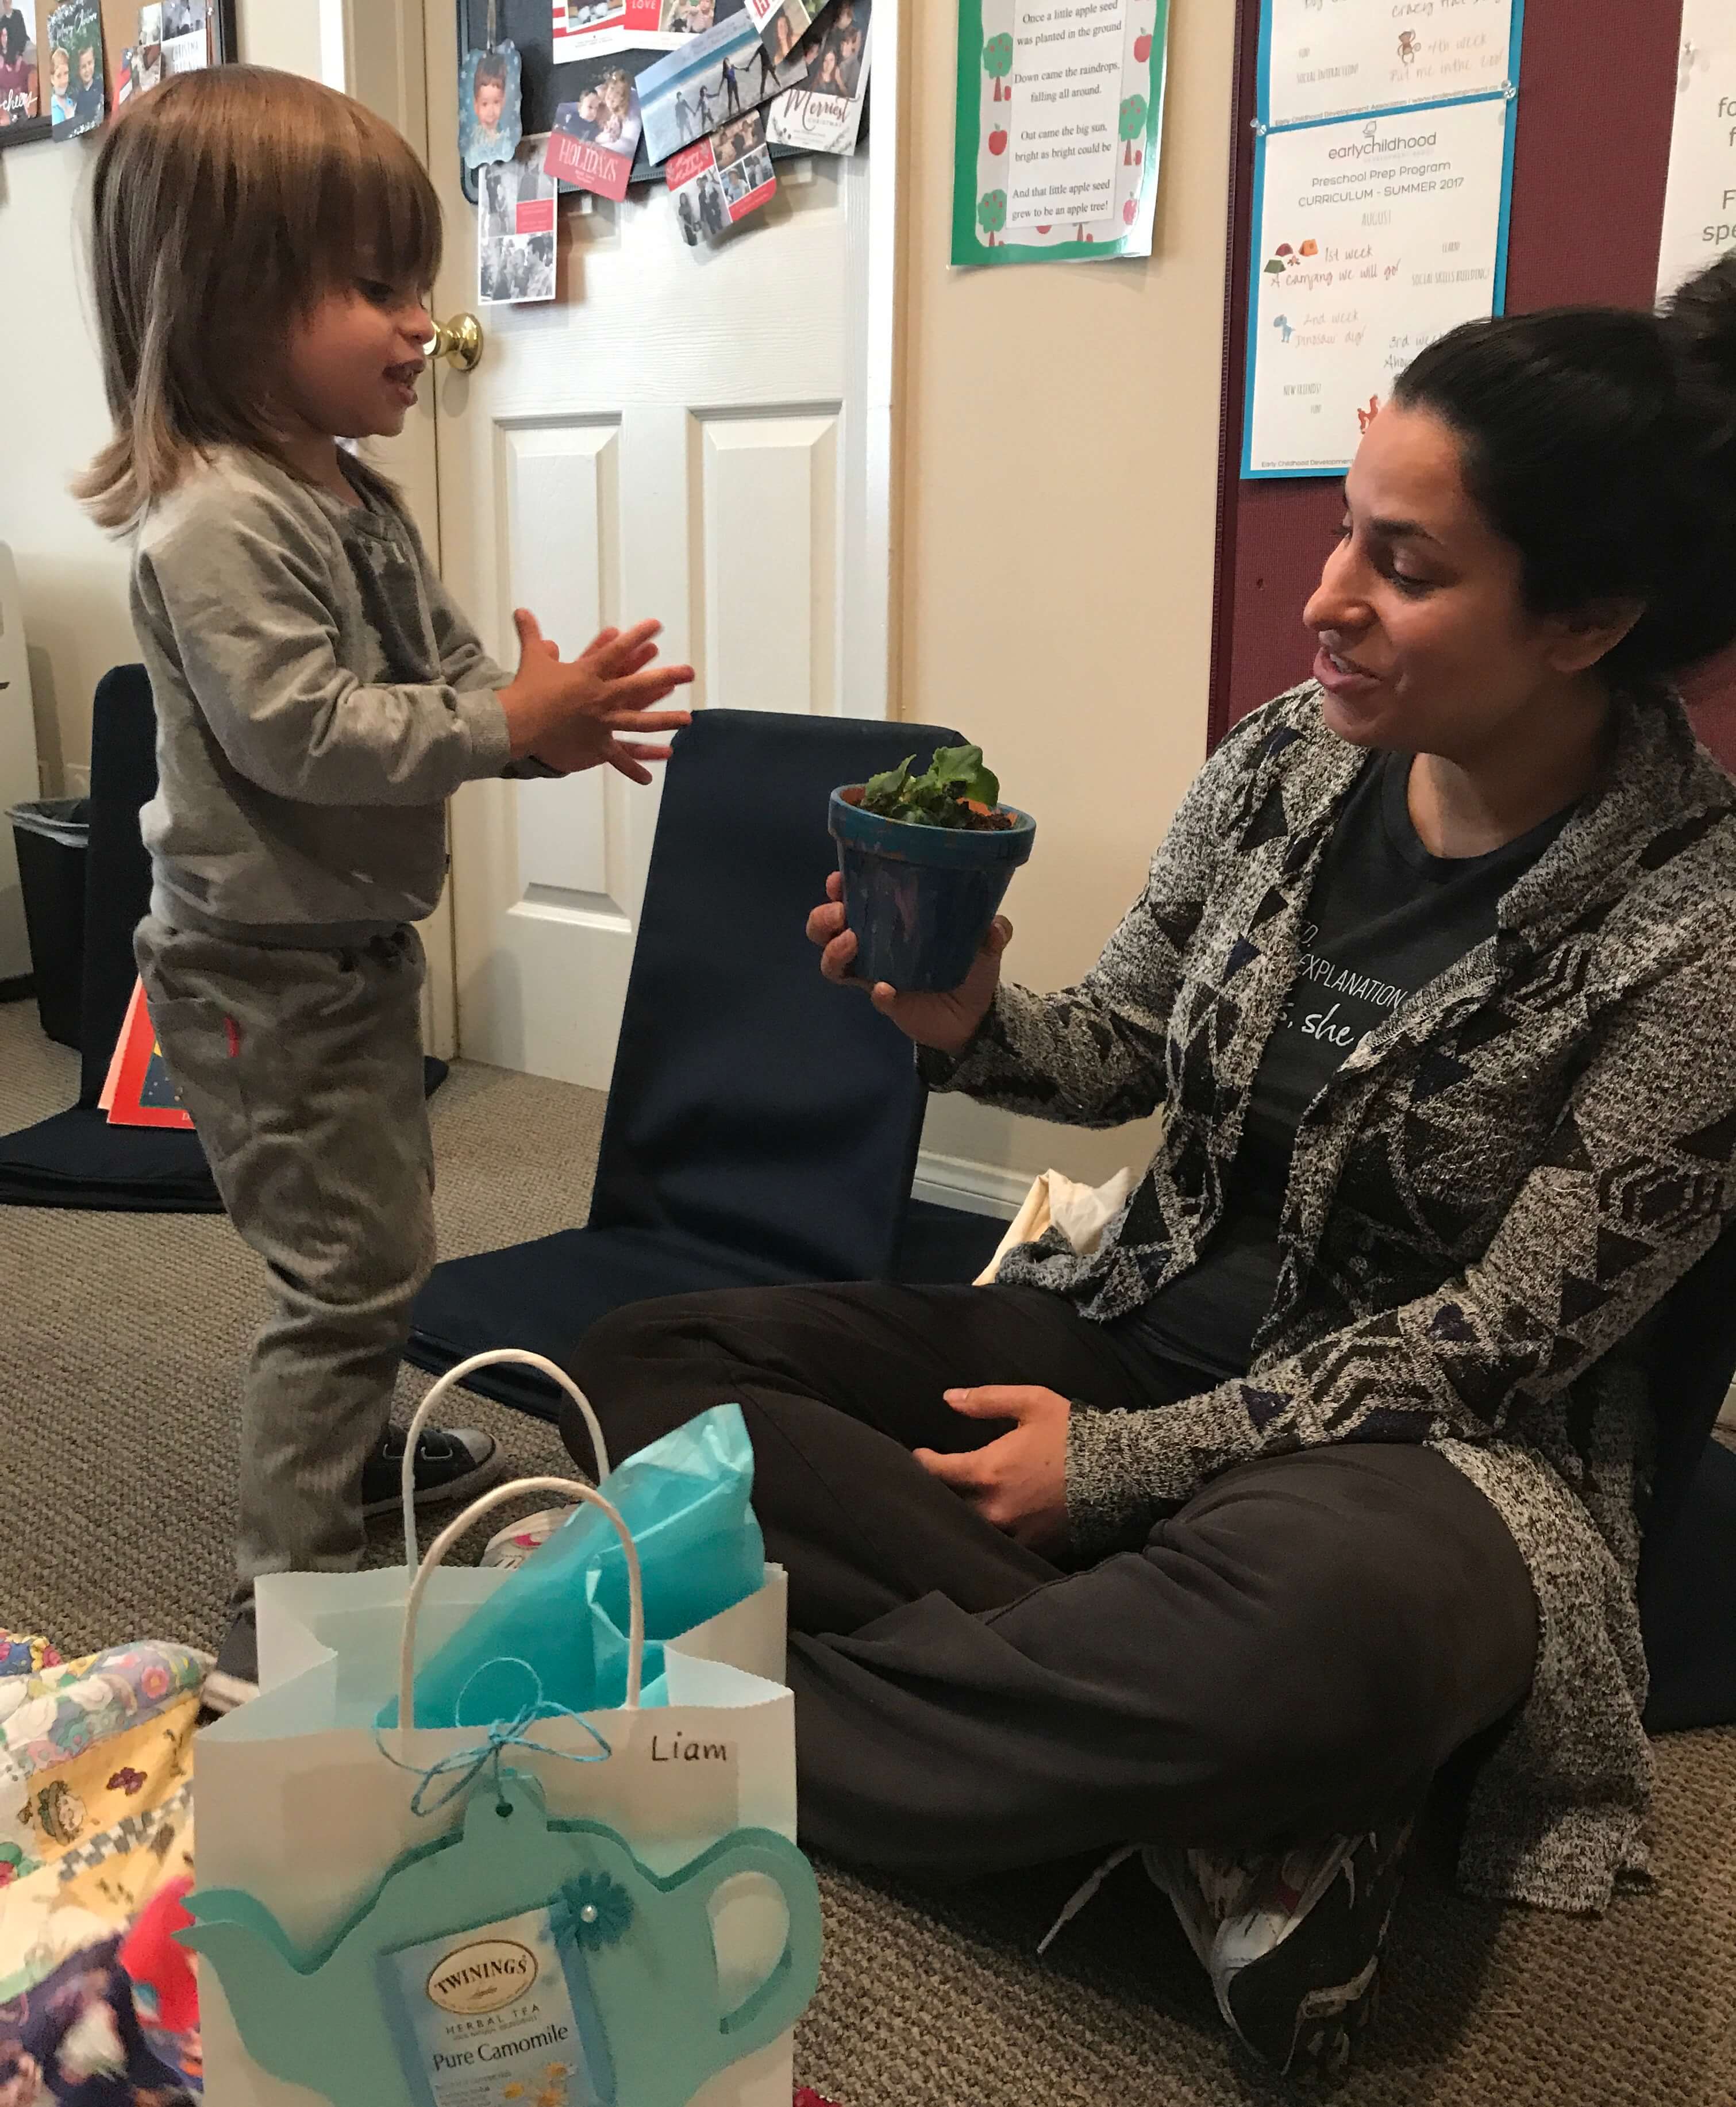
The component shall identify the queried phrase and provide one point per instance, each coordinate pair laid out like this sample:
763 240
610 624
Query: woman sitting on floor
1220 1540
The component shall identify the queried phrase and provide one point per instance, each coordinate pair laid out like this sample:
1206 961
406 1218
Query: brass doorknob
458 341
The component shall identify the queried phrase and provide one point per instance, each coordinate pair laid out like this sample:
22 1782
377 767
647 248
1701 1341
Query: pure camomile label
486 2017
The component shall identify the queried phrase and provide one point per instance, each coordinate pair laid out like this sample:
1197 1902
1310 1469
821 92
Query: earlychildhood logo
1372 144
485 1976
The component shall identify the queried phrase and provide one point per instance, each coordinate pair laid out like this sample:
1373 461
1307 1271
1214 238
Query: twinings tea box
501 2015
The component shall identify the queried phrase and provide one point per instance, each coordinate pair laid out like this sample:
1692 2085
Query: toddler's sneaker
452 1463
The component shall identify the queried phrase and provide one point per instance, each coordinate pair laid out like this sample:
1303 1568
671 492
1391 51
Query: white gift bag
301 1805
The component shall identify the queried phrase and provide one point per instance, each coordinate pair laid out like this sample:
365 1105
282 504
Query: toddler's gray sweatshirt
319 697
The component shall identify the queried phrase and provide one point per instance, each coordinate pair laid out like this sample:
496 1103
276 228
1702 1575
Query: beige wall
1059 494
72 579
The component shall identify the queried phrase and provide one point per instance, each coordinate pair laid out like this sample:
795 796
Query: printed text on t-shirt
1328 978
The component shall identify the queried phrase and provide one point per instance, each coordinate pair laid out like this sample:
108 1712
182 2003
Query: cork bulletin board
1591 161
120 30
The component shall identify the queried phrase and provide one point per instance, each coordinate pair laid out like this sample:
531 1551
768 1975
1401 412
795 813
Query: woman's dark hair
1602 443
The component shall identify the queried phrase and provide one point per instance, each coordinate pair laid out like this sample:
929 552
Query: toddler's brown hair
226 203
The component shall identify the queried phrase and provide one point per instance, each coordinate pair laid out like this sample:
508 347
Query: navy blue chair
762 1126
75 1158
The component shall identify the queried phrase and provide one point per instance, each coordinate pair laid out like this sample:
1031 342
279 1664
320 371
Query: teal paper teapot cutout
321 2022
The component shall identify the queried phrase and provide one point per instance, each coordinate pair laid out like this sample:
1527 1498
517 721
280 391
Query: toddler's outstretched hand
570 714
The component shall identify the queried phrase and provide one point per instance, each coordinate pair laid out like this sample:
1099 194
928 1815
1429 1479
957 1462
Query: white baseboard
980 1189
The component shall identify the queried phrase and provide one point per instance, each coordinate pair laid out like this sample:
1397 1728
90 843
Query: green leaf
938 798
885 792
960 769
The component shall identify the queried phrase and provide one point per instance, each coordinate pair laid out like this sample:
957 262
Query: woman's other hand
1019 1482
948 1022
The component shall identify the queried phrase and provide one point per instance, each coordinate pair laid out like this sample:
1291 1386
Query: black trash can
52 836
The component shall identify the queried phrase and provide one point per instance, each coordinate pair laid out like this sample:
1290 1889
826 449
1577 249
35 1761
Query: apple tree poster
1060 120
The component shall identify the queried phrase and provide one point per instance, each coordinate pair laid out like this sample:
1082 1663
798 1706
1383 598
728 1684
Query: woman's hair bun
1699 323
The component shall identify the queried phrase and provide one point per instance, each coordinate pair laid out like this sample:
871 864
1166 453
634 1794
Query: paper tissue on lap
685 1499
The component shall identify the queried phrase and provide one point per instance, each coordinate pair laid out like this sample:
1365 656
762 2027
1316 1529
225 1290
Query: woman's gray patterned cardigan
1493 1192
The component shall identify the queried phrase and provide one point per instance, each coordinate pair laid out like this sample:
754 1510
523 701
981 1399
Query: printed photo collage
697 90
59 71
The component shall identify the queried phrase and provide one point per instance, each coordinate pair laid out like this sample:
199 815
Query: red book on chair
139 1091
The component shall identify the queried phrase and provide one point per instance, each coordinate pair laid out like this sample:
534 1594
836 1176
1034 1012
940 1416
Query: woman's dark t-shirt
1384 918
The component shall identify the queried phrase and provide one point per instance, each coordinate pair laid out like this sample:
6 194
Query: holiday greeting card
711 79
721 181
21 68
595 138
76 98
823 115
515 226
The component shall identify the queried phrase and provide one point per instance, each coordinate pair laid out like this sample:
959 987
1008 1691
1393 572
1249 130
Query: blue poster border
1508 94
1263 80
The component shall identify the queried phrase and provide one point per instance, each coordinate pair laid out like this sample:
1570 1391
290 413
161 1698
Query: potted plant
925 861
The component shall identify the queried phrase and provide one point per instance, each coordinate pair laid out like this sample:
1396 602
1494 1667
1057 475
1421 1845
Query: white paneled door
687 434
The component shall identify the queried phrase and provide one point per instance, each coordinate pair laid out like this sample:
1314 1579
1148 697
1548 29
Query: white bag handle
449 1381
455 1529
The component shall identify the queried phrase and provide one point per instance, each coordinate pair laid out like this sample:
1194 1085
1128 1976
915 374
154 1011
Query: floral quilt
96 1821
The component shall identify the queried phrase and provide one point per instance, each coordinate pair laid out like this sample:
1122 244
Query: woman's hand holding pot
948 1022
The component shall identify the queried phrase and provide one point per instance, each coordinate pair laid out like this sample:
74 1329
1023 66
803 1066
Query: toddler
319 697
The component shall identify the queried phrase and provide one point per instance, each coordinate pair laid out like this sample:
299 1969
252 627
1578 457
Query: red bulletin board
1597 97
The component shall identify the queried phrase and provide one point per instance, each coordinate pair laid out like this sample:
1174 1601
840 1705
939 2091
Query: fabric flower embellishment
602 1909
26 1656
126 1781
72 1735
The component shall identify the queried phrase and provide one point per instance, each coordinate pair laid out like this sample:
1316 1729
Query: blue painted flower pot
920 899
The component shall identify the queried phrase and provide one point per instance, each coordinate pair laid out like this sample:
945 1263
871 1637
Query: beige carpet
120 1337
